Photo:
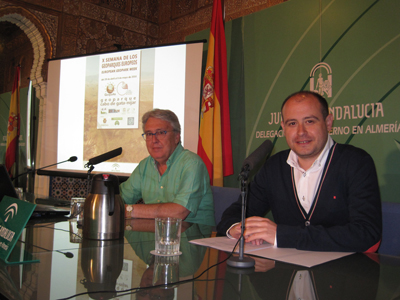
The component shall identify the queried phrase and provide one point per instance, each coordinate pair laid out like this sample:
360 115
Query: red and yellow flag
13 126
215 145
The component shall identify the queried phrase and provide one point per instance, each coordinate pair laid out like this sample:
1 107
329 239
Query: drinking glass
167 236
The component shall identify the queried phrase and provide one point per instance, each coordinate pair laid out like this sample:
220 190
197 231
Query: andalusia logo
321 79
11 211
115 167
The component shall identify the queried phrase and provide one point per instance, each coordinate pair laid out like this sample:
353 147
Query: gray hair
165 115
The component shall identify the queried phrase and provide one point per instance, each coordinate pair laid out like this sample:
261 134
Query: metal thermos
103 214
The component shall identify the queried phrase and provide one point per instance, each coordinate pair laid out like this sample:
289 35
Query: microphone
71 159
103 157
255 157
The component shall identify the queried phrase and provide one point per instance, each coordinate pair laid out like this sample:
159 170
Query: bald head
306 94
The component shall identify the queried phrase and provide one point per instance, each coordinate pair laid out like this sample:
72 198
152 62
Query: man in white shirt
323 196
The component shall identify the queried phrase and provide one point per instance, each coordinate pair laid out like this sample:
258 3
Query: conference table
60 264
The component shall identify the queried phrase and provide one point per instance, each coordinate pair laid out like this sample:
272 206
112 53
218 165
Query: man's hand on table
257 230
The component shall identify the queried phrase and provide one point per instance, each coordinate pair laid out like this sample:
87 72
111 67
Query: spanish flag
215 145
13 126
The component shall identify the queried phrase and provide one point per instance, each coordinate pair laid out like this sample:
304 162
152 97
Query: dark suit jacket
346 213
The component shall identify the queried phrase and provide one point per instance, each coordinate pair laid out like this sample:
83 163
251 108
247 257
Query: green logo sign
14 214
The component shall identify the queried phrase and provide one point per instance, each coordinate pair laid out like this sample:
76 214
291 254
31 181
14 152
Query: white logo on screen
115 167
11 211
321 79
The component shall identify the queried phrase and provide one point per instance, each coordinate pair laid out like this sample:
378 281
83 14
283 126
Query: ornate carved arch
42 51
41 44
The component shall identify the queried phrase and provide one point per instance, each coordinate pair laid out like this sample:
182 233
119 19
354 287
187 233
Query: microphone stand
241 261
89 175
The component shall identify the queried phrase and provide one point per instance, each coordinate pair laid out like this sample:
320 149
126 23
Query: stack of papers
287 255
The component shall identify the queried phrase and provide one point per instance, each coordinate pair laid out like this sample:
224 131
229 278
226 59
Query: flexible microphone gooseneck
249 163
71 159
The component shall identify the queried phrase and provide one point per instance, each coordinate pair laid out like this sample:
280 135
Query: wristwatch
129 208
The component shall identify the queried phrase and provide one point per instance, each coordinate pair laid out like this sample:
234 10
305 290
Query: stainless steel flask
103 215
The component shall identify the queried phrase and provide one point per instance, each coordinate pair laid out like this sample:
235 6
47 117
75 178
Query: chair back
390 244
223 198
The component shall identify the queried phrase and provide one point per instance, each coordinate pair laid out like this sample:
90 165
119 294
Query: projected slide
118 97
97 101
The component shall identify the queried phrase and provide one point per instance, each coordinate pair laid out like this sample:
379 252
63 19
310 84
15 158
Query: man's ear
329 122
283 126
177 138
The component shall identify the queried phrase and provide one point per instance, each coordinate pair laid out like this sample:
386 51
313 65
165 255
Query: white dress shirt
307 181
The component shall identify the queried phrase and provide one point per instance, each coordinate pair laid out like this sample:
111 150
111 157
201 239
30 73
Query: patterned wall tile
66 188
72 7
130 23
133 39
139 9
123 5
98 13
164 8
153 10
182 7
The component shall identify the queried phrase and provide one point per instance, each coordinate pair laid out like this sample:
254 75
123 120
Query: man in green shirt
172 181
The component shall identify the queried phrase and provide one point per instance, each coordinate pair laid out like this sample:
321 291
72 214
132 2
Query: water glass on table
167 236
20 193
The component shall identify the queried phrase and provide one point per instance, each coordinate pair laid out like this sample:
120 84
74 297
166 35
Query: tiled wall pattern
66 188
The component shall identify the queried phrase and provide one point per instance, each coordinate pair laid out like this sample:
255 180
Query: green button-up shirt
185 182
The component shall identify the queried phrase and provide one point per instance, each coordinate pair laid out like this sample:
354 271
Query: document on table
288 255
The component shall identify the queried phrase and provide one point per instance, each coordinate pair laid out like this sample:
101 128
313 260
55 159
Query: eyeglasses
159 134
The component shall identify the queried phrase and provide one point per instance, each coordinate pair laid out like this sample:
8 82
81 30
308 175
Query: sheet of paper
226 244
288 255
